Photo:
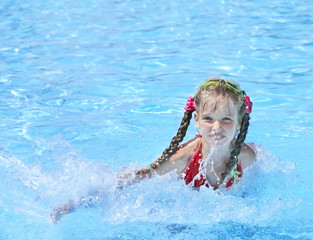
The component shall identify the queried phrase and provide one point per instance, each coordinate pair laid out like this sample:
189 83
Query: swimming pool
89 87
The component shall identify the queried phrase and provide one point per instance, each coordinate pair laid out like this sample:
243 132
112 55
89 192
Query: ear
196 117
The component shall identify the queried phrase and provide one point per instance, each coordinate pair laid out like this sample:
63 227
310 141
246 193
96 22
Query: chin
219 142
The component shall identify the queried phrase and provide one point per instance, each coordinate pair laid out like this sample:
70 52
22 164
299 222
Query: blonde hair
220 89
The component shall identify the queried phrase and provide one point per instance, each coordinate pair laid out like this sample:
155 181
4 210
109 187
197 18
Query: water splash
258 198
31 186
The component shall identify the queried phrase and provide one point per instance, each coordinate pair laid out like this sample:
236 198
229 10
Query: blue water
88 88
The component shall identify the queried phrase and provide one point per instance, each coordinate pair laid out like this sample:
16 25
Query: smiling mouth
216 137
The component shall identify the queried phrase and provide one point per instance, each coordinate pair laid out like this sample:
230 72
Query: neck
216 159
219 156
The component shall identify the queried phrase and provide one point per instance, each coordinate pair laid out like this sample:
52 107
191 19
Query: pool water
89 88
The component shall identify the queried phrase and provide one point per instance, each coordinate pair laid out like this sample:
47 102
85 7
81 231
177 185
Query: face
217 121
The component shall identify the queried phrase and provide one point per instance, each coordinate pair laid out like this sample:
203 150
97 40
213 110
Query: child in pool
217 155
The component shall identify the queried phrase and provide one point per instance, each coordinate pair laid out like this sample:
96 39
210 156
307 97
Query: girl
217 155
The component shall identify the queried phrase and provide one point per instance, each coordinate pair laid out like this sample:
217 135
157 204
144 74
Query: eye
227 119
208 118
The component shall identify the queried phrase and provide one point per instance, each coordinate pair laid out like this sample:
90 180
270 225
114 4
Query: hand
65 209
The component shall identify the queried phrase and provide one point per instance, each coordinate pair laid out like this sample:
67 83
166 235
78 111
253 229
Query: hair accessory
217 185
231 85
152 166
190 106
248 104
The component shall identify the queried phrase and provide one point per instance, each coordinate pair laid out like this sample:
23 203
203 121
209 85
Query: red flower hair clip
248 104
190 106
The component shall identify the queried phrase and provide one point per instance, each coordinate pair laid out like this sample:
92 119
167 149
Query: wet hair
203 92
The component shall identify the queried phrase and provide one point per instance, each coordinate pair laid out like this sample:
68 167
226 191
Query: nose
216 127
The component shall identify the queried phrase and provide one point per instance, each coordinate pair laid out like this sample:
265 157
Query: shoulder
186 150
191 145
247 155
179 160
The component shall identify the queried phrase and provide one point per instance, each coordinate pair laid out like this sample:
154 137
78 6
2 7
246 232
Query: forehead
218 104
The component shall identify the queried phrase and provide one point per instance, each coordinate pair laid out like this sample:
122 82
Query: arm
176 162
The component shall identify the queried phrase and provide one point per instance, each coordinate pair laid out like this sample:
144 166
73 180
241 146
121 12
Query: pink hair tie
248 104
190 106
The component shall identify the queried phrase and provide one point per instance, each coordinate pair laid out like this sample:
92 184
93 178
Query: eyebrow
205 116
209 115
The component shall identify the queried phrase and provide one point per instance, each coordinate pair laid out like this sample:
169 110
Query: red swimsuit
192 170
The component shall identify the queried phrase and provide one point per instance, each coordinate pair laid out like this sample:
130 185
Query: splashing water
258 197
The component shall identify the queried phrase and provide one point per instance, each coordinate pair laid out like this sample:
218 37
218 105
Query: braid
178 138
237 148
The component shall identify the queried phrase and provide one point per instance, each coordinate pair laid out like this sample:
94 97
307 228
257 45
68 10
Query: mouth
217 137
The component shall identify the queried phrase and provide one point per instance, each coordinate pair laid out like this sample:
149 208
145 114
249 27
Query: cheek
204 126
230 127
